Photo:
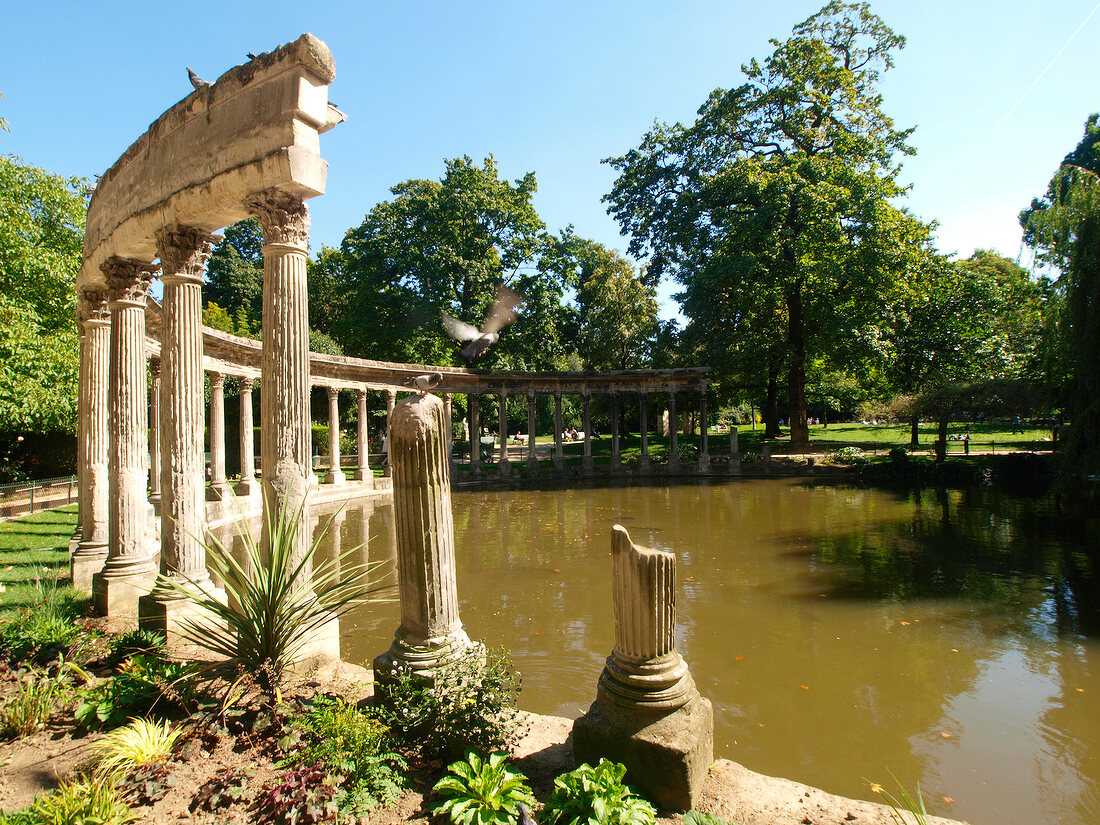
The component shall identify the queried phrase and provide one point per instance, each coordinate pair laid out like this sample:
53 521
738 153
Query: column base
588 464
171 614
219 491
735 466
336 477
704 462
249 488
86 561
644 464
559 464
667 756
117 594
423 660
505 467
364 473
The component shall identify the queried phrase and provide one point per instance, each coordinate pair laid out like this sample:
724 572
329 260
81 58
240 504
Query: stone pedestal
430 634
648 714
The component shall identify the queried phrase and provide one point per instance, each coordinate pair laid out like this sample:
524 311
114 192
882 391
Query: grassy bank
33 547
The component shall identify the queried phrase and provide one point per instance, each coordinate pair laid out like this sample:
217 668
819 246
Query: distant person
1017 426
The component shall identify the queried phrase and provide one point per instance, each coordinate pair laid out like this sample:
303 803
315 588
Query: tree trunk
796 376
914 432
771 404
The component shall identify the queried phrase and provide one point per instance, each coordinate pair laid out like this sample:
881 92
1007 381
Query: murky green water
950 637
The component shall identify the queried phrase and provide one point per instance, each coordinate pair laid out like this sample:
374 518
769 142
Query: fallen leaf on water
905 624
557 570
1080 690
739 658
804 687
689 578
949 800
823 595
954 650
947 735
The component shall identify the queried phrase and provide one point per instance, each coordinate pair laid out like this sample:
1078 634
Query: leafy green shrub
354 747
88 801
847 455
50 627
141 641
32 706
469 706
596 796
300 797
275 605
688 453
142 684
694 817
482 792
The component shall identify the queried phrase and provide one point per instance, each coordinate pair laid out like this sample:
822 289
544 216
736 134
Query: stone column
430 633
704 455
616 457
475 433
391 399
504 464
219 489
154 435
248 485
449 432
91 552
131 567
183 253
643 419
673 433
532 455
363 471
335 475
284 378
648 714
586 422
735 452
559 456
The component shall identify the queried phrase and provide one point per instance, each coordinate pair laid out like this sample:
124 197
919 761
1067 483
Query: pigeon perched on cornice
501 315
250 56
424 383
196 81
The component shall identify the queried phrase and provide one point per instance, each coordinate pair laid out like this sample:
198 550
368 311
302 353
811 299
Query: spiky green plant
89 801
486 792
275 603
141 742
31 707
903 803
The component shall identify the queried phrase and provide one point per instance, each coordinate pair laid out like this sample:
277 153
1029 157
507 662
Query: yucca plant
88 800
482 791
141 742
275 604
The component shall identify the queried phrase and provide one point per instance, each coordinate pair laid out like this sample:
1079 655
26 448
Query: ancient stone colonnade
246 145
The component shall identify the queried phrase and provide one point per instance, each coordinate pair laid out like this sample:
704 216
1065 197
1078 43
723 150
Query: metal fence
28 497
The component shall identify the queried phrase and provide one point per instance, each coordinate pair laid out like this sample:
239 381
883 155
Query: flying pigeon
196 81
250 56
424 383
501 315
524 814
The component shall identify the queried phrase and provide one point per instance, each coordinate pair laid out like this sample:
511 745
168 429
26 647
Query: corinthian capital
93 306
284 217
128 280
184 251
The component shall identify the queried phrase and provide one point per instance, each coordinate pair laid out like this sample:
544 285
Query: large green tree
777 203
234 279
41 240
1064 228
448 245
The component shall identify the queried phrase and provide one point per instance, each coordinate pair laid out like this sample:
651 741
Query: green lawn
31 546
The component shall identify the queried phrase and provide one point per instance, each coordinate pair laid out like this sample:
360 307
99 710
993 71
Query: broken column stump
648 714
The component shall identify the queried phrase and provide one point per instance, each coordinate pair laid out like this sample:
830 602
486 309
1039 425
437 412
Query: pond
949 637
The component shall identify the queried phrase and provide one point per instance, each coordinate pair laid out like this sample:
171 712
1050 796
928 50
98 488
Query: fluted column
248 485
91 552
673 433
391 400
154 434
219 488
559 457
504 463
335 475
586 422
475 432
735 452
430 632
616 456
643 425
363 472
449 431
704 455
131 566
532 455
284 378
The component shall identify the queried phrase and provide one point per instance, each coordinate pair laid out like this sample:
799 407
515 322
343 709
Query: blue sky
555 87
